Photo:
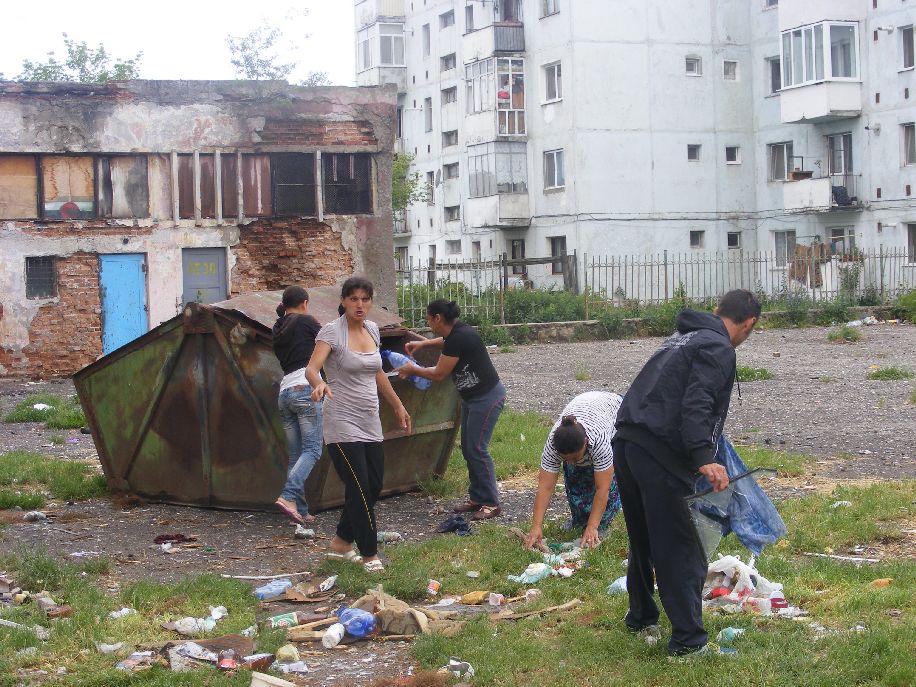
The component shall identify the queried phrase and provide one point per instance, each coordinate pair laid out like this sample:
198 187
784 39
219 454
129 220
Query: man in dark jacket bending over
667 430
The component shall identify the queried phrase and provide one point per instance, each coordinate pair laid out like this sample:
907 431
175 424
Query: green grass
753 374
64 413
512 456
886 374
57 439
26 501
786 464
582 374
65 479
844 334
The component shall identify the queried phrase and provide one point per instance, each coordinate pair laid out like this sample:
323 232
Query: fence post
666 275
881 268
431 275
503 285
585 279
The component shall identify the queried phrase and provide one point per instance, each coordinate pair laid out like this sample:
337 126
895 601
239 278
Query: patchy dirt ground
818 403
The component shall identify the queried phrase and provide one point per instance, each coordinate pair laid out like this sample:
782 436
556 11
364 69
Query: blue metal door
124 312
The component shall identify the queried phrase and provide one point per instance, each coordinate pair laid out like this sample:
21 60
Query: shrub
844 334
493 335
753 374
831 312
886 374
905 307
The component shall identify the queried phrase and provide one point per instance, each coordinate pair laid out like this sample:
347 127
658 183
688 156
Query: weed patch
59 413
753 374
66 480
887 374
785 464
844 334
582 374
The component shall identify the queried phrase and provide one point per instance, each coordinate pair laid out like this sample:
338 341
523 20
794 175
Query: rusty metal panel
160 186
208 186
68 185
229 175
257 194
186 186
18 187
294 184
123 187
187 413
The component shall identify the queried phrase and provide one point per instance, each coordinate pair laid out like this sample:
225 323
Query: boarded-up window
123 187
347 183
18 187
256 185
160 187
68 187
207 186
294 184
229 176
40 277
186 186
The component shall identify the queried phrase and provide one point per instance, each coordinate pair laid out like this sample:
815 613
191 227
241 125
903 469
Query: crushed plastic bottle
273 589
333 636
357 622
399 360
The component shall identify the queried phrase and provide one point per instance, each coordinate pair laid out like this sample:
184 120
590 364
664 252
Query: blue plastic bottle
399 360
357 623
273 589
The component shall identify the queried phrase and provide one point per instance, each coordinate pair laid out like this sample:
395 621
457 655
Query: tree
316 79
83 65
406 187
256 55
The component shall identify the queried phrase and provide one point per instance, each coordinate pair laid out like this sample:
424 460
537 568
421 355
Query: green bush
832 312
905 307
887 374
844 334
543 305
753 374
493 335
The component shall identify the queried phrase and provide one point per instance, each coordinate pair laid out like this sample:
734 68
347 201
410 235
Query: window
123 187
449 138
842 240
697 238
18 187
40 277
468 18
785 247
518 253
694 66
481 86
500 167
911 243
807 50
347 182
401 260
363 50
906 47
730 70
549 7
839 154
391 44
509 10
554 174
450 95
447 62
732 155
450 171
557 249
734 239
68 187
453 214
510 96
554 82
771 3
453 247
909 144
428 114
294 182
475 251
400 122
774 75
780 159
426 40
431 188
446 19
693 151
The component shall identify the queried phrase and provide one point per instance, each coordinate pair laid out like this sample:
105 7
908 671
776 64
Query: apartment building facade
637 126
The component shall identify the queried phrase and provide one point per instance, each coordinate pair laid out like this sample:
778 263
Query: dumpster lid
261 306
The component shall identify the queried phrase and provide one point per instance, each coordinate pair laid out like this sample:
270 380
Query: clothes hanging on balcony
806 264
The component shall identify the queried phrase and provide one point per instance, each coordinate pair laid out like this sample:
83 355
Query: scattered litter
532 594
226 660
840 504
729 634
295 668
192 627
881 583
433 587
139 660
304 532
249 632
858 560
108 649
265 680
333 636
447 601
495 599
41 406
73 440
273 589
858 628
256 661
533 573
733 586
389 537
618 586
474 598
287 654
35 516
85 554
122 613
473 574
218 612
454 523
258 578
328 584
28 651
197 652
43 633
356 621
458 668
177 538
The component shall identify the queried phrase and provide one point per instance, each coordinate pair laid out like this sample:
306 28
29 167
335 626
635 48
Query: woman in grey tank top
348 349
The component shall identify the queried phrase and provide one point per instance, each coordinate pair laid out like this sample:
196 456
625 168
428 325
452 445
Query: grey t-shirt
352 414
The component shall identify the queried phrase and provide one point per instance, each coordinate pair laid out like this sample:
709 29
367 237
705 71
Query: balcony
503 211
401 226
833 193
379 76
498 38
371 11
826 101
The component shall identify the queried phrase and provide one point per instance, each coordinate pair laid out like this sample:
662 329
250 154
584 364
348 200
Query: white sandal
350 556
375 566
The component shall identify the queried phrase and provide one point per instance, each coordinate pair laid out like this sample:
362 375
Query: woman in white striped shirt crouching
580 444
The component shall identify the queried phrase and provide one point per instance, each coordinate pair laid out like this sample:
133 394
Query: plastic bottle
290 619
357 622
399 360
227 660
332 637
273 589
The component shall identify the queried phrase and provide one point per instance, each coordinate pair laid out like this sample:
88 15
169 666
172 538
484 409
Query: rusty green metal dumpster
187 413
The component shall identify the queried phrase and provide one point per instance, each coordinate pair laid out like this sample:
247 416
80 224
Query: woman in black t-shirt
465 358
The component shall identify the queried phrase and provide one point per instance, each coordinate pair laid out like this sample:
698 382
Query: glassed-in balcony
368 12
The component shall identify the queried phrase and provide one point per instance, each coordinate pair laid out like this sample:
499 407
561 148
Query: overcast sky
180 39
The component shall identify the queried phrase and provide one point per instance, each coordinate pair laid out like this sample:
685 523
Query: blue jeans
301 417
478 419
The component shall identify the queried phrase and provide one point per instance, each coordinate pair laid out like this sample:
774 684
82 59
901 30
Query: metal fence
810 272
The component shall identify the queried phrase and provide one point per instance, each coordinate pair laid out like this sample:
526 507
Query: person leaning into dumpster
668 427
348 349
465 358
294 335
580 443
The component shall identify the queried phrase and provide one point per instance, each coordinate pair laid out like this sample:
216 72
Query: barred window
41 277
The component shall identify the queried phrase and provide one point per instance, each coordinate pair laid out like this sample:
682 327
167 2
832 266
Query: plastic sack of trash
533 573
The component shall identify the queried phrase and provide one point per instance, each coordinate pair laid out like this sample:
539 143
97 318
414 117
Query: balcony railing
833 192
509 37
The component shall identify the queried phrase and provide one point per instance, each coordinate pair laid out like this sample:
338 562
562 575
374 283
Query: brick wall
64 336
272 254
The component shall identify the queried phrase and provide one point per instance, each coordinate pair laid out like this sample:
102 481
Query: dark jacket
677 405
294 340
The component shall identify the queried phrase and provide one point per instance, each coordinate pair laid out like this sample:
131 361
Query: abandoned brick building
121 202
